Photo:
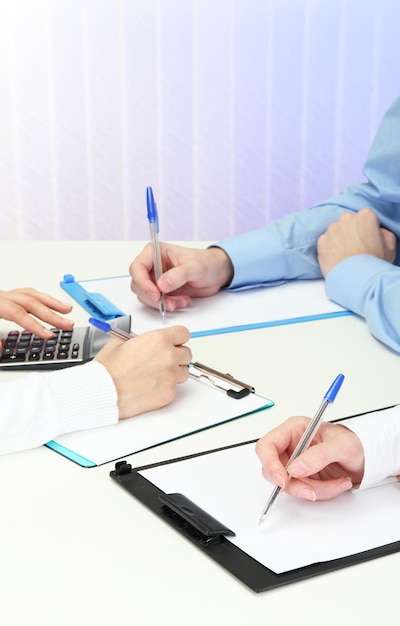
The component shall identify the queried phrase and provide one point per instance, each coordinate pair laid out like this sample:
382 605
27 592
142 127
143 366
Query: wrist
221 264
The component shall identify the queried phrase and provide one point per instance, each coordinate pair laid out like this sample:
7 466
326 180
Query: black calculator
23 350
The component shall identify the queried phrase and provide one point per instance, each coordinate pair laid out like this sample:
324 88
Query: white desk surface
77 549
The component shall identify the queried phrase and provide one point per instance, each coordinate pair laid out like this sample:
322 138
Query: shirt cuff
379 433
348 282
85 396
266 265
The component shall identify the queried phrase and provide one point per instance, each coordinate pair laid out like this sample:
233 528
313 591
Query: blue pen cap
334 388
104 326
152 214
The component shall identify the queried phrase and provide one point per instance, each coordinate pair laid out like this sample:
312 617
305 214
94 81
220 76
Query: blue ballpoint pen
308 435
111 330
152 216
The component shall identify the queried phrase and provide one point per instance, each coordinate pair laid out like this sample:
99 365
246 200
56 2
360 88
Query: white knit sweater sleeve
41 406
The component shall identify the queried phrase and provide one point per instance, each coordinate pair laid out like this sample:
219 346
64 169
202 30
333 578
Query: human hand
332 464
188 272
147 368
20 305
352 234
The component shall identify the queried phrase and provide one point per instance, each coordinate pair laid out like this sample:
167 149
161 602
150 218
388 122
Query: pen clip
208 373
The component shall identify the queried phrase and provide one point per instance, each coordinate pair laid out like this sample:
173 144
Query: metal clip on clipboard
205 372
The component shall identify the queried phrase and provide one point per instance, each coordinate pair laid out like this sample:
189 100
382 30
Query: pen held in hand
152 216
111 330
307 437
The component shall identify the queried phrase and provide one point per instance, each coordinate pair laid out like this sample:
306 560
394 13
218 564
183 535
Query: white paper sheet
226 310
197 406
229 486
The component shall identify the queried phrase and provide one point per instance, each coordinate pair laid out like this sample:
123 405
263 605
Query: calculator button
8 350
24 347
11 341
13 357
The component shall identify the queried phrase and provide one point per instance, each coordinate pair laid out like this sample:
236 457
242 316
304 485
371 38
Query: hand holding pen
307 437
152 216
146 368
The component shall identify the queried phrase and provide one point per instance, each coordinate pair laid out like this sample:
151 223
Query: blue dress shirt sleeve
372 291
287 248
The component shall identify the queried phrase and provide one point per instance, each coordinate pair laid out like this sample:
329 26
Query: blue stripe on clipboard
282 322
70 454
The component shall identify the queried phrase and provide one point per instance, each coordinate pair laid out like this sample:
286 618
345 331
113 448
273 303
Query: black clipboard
212 537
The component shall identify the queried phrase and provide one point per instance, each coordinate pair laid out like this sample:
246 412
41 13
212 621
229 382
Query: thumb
390 241
173 279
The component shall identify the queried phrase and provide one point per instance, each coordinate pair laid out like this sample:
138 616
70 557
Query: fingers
315 459
275 448
19 305
313 489
353 234
177 269
171 303
142 282
178 335
188 273
147 368
331 465
390 244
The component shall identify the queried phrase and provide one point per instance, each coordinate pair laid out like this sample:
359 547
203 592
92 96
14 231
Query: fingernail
170 305
164 283
153 295
345 485
308 494
278 480
297 468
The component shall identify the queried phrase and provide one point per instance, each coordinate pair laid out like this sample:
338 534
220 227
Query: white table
77 549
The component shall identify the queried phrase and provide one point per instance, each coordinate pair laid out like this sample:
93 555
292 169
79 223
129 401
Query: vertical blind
235 111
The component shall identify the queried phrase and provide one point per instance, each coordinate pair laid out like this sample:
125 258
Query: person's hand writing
22 306
352 234
188 272
147 368
334 462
